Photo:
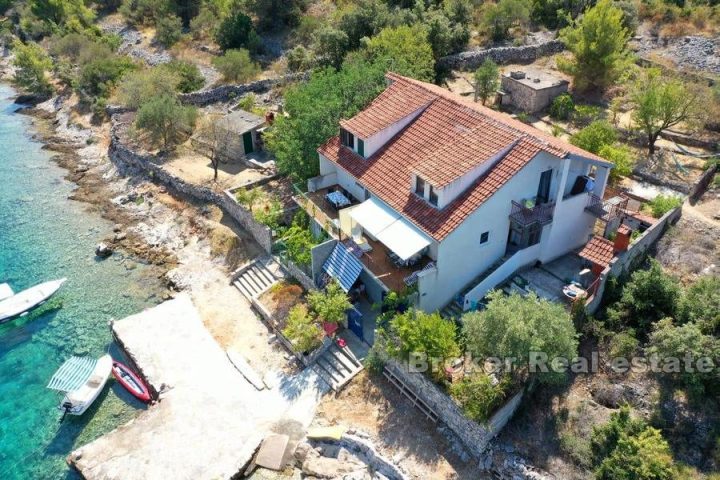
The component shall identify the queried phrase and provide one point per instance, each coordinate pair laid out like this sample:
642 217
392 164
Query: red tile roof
599 251
450 137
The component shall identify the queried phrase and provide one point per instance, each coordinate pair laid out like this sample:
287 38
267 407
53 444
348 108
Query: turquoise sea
45 236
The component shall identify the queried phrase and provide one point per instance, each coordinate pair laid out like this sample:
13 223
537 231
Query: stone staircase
452 311
254 278
337 366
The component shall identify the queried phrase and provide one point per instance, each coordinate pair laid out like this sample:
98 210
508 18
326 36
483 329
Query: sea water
45 236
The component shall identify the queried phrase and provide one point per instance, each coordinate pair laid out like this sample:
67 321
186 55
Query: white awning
403 239
373 216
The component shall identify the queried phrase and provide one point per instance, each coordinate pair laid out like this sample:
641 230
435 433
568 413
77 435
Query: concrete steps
256 277
452 311
337 366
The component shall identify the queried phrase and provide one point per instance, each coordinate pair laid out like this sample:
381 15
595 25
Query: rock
103 250
120 236
117 227
323 467
302 452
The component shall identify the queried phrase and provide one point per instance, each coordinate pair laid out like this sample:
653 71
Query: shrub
562 106
514 326
168 30
144 11
622 159
140 86
646 456
205 24
236 31
98 77
577 448
478 397
649 296
273 13
298 59
165 119
595 136
701 304
248 197
662 204
404 50
605 438
331 304
330 46
271 214
584 115
32 63
623 344
236 66
503 15
299 241
189 76
302 331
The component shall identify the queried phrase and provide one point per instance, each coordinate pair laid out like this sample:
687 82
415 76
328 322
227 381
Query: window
534 234
433 198
347 138
361 147
484 237
420 187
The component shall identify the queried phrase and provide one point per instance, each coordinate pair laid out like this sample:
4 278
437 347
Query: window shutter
361 147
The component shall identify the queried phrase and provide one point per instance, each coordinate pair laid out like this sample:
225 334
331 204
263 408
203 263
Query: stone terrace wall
475 437
129 161
472 59
224 93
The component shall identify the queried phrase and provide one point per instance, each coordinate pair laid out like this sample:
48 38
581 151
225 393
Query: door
248 143
543 193
355 322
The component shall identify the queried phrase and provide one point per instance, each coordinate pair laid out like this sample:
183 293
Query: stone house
236 135
530 90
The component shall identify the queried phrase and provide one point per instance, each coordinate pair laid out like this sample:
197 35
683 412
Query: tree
145 11
622 159
98 77
314 109
701 304
363 18
403 50
249 196
236 31
237 66
478 396
276 13
189 76
168 30
416 332
503 15
298 59
215 139
32 63
329 305
659 103
649 296
486 80
302 330
138 87
598 42
514 326
330 46
62 12
165 119
595 136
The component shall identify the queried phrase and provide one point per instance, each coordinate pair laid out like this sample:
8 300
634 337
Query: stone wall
225 93
471 60
624 261
475 437
703 183
130 162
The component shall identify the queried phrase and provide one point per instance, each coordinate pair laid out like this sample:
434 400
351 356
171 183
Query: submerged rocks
103 250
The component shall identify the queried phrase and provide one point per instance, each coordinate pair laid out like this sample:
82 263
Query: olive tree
165 120
486 80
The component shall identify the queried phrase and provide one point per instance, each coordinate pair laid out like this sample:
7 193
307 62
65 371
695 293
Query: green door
247 142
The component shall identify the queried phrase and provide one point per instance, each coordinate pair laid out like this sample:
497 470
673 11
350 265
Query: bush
404 50
649 296
478 397
140 86
646 456
503 15
274 13
141 12
623 344
32 63
416 332
701 304
662 204
98 77
168 31
577 448
271 214
299 241
514 326
331 304
302 331
595 136
236 31
298 59
562 107
189 76
622 159
236 66
166 120
330 46
584 115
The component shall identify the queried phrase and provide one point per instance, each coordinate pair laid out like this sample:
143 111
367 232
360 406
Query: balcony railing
541 214
608 209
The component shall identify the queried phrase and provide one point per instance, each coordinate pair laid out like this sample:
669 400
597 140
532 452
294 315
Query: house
432 190
530 90
236 135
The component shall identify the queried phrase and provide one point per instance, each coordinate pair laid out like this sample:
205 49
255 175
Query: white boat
80 379
21 303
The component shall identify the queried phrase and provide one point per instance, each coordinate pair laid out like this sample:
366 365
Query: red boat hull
132 383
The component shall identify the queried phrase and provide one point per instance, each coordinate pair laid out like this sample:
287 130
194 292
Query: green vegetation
248 197
513 326
622 157
478 397
701 304
168 31
598 42
505 14
595 136
237 66
487 79
302 330
271 215
32 65
330 305
165 120
562 107
662 204
236 31
403 50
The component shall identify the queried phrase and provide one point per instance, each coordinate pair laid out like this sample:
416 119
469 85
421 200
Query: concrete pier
209 420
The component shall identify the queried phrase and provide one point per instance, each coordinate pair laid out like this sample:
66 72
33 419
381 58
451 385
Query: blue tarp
343 266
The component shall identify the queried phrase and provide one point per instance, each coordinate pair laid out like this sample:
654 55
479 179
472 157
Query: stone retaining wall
224 93
129 161
703 183
474 436
471 60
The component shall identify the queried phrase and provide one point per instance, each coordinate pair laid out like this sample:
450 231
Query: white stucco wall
571 227
374 143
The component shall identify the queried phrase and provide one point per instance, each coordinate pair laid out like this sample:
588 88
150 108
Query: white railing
518 260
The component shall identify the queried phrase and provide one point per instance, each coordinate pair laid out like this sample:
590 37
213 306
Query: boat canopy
72 374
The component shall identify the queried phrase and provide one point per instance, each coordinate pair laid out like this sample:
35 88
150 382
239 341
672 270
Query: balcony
541 214
606 210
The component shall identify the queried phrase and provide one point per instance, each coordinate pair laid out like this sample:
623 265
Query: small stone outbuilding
530 90
237 135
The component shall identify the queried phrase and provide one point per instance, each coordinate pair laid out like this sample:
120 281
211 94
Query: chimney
622 238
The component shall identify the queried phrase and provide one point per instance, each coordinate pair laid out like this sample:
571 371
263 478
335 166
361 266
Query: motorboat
18 304
80 380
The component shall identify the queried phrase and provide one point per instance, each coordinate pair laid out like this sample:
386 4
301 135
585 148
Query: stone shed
235 135
530 90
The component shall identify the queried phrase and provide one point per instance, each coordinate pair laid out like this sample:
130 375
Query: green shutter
361 147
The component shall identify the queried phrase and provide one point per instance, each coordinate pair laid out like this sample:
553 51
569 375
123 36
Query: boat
132 382
80 380
19 304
